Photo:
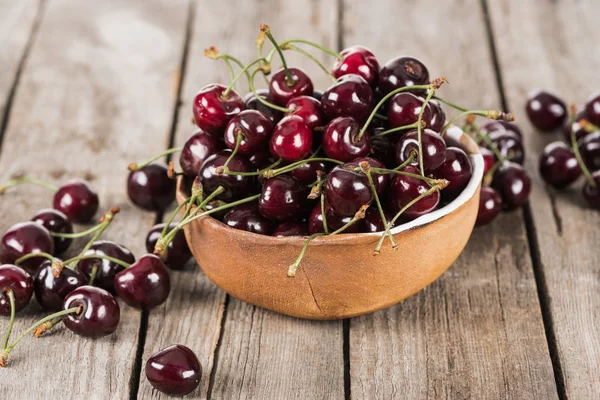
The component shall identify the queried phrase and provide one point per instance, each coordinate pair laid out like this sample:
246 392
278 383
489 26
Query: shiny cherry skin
372 221
283 198
334 221
252 103
545 110
491 125
236 186
24 238
280 92
404 189
580 132
340 140
509 144
145 284
309 109
255 129
347 190
592 194
489 159
178 251
307 173
196 150
592 109
357 60
490 204
513 184
351 96
456 169
400 72
212 111
558 165
51 291
174 370
383 149
107 270
100 313
404 109
381 181
438 117
20 282
261 159
292 139
57 222
246 217
290 228
434 149
590 151
151 188
76 200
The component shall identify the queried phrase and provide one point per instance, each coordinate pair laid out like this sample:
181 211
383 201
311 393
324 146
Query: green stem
397 129
139 165
238 140
288 75
367 171
260 98
430 93
93 275
76 235
313 44
451 104
24 179
229 70
106 221
313 58
239 75
430 181
34 255
175 212
408 161
323 216
489 142
297 164
382 117
100 256
582 165
490 114
11 298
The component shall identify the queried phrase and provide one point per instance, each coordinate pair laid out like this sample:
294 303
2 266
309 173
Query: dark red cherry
99 315
580 132
509 144
292 139
489 159
490 204
334 221
404 189
57 222
20 282
545 110
357 60
178 251
24 238
590 151
382 148
196 150
351 96
290 228
309 109
236 186
491 125
151 188
246 217
77 201
513 184
558 165
212 110
281 92
174 370
347 190
255 128
438 117
145 284
434 148
404 109
282 199
400 72
457 170
592 109
307 173
592 193
317 94
340 140
380 180
372 221
51 291
217 214
261 159
252 103
107 270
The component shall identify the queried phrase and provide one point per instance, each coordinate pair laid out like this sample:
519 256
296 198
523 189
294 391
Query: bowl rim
466 143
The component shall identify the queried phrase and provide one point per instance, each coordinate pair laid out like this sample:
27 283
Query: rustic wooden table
86 87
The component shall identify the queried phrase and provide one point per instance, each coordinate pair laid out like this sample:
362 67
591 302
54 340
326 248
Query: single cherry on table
145 284
25 238
150 187
174 370
77 200
546 110
99 313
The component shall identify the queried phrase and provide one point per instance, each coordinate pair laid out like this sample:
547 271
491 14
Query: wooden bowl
339 276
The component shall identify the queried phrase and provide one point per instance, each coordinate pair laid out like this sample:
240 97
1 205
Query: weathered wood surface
261 354
555 45
95 94
477 332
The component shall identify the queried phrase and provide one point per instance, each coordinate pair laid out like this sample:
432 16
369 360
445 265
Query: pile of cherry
562 163
368 153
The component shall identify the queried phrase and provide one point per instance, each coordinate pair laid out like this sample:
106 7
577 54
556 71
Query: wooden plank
476 332
95 94
262 355
547 45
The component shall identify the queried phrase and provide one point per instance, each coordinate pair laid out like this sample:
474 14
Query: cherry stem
451 104
46 326
25 179
313 44
489 114
260 98
489 142
238 140
296 165
489 176
382 117
267 31
323 216
34 255
139 165
575 148
105 221
409 160
398 129
11 298
366 168
239 75
430 93
214 54
189 200
310 56
214 210
93 275
430 181
77 234
100 256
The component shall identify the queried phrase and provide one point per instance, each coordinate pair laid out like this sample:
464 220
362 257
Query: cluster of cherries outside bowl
368 153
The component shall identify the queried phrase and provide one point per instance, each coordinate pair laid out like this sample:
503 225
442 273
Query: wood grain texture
476 332
95 94
263 355
555 39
